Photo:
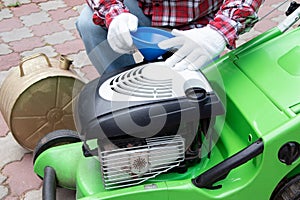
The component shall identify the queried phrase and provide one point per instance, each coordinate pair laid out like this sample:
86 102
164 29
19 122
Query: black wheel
288 190
55 138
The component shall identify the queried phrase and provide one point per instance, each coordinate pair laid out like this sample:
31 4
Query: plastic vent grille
132 166
134 83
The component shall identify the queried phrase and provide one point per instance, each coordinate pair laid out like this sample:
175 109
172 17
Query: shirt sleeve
234 18
106 10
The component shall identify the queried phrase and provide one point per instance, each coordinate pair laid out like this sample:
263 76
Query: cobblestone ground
47 26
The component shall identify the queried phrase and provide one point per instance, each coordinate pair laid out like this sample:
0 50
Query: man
202 29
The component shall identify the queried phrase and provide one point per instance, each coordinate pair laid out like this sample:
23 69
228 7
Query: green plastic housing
258 84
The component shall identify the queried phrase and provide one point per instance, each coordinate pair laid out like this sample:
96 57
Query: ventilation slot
133 83
134 165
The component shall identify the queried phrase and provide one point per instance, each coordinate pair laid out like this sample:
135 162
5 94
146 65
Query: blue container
146 40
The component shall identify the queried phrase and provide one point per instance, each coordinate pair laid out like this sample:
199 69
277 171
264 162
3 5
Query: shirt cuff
226 27
112 14
109 16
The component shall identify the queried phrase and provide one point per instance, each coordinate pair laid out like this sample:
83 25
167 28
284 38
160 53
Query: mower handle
220 171
291 19
49 184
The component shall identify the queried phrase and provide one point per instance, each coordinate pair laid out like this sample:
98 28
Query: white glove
197 47
118 35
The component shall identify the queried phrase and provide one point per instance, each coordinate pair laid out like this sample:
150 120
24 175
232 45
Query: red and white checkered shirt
229 17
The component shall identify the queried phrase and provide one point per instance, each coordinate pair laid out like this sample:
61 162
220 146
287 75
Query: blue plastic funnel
146 39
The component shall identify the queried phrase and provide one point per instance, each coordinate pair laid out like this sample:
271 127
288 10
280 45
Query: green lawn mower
230 131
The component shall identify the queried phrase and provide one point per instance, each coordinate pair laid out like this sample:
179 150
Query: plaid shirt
229 17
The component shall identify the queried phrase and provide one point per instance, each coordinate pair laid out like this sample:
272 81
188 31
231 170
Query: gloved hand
118 35
197 47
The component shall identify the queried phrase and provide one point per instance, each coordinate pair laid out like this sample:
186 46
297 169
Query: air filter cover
152 81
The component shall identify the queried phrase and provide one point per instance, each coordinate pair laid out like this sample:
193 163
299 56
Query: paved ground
47 26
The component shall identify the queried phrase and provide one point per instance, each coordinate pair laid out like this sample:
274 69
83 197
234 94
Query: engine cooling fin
134 165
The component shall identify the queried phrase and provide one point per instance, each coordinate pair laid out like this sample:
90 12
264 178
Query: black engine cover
126 123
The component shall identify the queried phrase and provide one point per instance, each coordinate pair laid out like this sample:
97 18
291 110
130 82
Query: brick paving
47 26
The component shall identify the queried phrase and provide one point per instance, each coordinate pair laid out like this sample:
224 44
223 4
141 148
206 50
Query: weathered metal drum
37 97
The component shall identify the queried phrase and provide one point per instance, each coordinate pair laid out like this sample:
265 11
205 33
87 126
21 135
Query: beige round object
37 98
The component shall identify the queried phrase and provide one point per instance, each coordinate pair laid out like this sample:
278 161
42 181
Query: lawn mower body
255 143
